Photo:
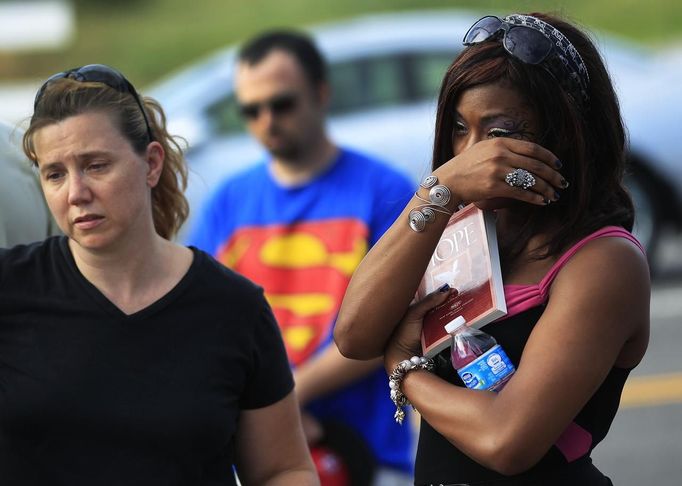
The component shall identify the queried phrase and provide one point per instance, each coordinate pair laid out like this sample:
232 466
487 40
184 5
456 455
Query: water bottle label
488 370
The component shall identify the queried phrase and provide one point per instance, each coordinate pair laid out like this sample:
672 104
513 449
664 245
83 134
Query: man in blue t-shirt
298 224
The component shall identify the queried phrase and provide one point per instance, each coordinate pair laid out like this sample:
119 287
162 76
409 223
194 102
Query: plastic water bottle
480 362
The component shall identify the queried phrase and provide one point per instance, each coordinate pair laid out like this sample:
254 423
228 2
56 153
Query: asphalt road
644 445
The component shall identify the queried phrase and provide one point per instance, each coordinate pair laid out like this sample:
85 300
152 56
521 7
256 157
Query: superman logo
304 269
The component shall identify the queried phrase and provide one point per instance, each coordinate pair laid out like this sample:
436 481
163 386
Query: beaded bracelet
395 379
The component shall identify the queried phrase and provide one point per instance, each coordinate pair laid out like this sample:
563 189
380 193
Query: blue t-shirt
302 245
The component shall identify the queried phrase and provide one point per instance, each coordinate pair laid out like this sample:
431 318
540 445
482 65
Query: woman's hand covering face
493 135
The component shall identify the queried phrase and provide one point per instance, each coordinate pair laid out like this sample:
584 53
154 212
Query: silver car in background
385 72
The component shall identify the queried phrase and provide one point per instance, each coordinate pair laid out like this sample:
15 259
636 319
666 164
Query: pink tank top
576 441
523 297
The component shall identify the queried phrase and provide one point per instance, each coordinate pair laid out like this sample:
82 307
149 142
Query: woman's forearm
384 284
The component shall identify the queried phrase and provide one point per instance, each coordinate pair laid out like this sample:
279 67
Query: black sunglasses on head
524 43
98 73
278 105
533 41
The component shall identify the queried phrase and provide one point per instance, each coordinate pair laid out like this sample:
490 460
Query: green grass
148 38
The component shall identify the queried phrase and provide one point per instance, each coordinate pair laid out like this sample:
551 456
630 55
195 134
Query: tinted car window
367 83
224 116
428 69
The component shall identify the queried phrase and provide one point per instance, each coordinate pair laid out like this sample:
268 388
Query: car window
367 83
428 69
224 117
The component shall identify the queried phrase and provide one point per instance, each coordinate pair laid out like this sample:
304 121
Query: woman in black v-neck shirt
124 357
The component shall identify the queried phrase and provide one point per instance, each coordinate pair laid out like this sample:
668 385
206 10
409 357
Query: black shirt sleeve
271 378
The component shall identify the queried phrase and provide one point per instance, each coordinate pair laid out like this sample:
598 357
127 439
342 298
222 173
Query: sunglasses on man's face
278 105
97 73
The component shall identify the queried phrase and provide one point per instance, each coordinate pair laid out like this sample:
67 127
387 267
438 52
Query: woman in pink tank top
528 126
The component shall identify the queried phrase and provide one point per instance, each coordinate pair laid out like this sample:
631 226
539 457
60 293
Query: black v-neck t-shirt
92 396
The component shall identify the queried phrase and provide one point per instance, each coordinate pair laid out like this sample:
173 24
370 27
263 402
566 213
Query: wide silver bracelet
439 196
395 379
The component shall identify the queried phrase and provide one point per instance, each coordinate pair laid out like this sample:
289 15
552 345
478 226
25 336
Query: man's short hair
299 45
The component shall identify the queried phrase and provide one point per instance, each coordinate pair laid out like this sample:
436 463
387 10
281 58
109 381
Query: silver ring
520 178
429 182
417 220
439 195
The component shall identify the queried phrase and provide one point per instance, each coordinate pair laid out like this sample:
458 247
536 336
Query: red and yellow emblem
304 269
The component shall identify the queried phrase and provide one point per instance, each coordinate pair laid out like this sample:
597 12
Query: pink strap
523 297
574 442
